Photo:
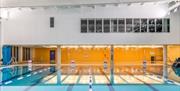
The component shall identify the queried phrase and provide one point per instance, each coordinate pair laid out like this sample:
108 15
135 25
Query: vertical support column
165 75
12 51
58 64
0 40
112 64
20 54
0 50
31 53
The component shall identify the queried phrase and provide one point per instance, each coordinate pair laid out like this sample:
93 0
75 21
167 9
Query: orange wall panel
136 55
98 55
42 55
84 55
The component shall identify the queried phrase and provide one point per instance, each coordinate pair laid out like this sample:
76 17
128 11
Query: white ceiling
39 3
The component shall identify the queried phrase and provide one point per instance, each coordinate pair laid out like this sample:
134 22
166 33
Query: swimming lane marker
35 73
20 78
90 84
8 82
28 75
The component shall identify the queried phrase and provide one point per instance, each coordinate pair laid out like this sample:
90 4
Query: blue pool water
30 78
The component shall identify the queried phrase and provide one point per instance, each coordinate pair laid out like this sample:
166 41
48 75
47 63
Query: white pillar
112 64
58 64
0 50
59 56
0 79
0 41
20 54
165 75
33 54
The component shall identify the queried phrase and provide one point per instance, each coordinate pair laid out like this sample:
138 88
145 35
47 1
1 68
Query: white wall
28 26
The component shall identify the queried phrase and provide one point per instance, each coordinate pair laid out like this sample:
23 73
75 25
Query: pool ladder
12 61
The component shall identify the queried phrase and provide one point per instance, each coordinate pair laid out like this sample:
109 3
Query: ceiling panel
37 3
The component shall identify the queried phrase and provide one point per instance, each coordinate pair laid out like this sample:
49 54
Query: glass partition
106 25
98 25
159 25
138 74
129 27
173 62
137 25
114 25
91 25
121 25
81 74
151 25
143 25
83 26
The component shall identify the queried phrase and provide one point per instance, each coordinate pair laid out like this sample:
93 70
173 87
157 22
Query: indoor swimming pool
38 77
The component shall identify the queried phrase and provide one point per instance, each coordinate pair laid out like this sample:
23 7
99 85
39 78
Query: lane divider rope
90 83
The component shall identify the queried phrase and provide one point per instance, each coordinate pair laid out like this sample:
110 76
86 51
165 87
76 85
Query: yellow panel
136 55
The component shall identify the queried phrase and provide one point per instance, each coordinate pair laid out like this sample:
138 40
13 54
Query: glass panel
151 25
173 62
143 25
85 62
83 26
114 25
136 25
99 25
132 65
106 25
159 25
166 25
121 25
91 26
129 25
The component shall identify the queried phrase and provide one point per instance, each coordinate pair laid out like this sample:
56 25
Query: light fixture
50 46
32 8
93 6
175 10
103 5
19 8
129 4
142 3
116 4
138 46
